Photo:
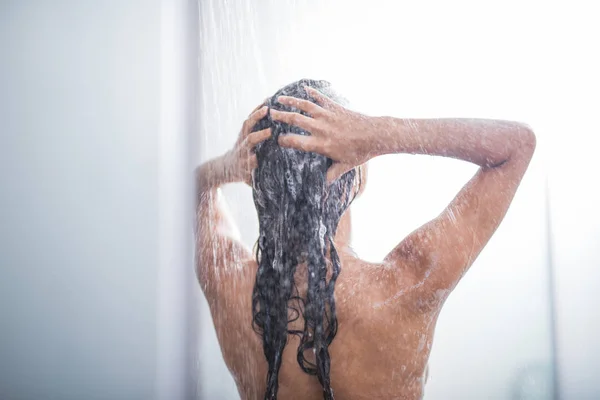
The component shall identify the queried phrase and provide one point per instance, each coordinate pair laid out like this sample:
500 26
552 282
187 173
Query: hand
240 161
343 135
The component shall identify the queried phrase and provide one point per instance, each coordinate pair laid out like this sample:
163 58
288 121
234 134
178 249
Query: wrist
389 136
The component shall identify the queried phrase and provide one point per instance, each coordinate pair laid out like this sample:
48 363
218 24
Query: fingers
321 99
300 142
296 119
337 170
303 105
253 119
252 162
258 106
255 138
250 165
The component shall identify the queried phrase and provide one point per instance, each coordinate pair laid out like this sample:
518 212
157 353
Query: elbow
528 136
521 143
525 139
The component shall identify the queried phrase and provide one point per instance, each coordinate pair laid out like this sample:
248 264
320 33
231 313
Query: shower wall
95 226
79 120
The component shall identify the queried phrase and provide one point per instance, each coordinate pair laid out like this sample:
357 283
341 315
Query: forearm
216 232
211 212
487 143
211 175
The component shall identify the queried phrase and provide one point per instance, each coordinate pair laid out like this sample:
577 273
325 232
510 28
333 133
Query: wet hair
298 213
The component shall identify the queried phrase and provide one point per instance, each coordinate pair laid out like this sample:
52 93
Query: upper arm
220 256
439 253
225 270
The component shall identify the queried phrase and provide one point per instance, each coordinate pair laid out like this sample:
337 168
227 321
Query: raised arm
219 253
218 249
440 252
224 265
436 255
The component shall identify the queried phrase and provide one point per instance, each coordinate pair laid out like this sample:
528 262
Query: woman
304 318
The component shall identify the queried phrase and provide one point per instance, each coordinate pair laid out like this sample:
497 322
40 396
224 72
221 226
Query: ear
363 171
336 170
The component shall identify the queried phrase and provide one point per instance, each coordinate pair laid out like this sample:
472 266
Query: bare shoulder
435 257
377 289
231 310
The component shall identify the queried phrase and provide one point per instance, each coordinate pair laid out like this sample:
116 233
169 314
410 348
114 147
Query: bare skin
387 311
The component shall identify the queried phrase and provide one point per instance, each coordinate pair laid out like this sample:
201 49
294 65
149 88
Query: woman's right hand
345 136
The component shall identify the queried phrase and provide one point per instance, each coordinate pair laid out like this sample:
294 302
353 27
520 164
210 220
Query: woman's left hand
241 159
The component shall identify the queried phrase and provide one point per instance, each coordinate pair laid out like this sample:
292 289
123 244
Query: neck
344 231
342 242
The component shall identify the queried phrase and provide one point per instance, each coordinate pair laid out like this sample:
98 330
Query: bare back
380 351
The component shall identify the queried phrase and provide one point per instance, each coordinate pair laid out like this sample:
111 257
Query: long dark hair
298 215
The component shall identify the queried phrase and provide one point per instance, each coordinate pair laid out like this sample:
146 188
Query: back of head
298 214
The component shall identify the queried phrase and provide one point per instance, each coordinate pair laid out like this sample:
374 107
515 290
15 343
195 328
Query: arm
440 252
218 249
219 253
223 263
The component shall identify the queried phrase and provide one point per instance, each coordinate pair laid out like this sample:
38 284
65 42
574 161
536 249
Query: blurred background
106 107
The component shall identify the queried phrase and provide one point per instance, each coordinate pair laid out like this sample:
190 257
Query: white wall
80 211
571 115
428 59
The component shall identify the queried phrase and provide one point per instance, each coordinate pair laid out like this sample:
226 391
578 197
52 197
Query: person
304 317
